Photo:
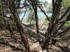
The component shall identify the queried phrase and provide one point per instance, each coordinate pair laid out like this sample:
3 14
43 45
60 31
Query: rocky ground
8 44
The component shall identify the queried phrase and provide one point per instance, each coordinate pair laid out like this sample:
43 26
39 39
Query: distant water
40 15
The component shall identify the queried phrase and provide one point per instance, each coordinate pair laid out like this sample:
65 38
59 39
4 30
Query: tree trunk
36 18
24 37
52 27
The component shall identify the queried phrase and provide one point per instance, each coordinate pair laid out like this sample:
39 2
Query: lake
40 15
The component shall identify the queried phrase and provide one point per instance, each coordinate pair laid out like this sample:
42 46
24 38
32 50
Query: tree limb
44 13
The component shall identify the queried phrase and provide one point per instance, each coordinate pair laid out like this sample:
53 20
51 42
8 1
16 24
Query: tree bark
36 18
52 27
24 37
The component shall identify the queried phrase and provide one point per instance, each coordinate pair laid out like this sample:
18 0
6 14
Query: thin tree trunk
36 18
34 5
23 35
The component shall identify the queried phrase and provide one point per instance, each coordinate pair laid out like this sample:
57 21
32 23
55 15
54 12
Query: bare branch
44 13
68 28
67 19
59 28
24 14
64 13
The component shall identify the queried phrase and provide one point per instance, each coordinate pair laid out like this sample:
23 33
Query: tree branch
24 14
24 38
44 13
64 14
68 28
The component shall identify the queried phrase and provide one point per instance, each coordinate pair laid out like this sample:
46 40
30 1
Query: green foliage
66 3
0 9
67 23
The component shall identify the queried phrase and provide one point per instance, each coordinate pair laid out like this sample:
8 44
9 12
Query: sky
40 14
47 0
40 0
